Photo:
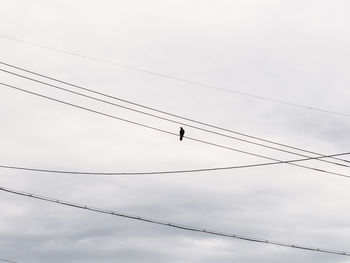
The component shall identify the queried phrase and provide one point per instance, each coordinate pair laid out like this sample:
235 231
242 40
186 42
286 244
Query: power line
178 79
171 133
170 224
163 118
166 119
164 172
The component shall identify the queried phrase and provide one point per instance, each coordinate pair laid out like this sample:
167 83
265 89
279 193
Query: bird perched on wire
182 133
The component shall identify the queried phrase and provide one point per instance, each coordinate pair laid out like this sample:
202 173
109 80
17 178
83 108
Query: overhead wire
166 119
163 172
171 224
160 117
170 133
166 76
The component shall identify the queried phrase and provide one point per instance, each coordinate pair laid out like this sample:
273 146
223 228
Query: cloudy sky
293 51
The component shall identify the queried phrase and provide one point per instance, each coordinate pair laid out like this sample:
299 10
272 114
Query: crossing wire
164 172
196 83
163 118
171 224
167 132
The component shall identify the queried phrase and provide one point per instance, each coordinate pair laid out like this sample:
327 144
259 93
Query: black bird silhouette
182 133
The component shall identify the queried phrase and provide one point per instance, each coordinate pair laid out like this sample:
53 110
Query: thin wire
159 111
170 224
178 79
164 172
171 133
166 119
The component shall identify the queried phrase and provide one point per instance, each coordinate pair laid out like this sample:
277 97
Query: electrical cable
173 225
166 119
171 133
159 117
163 172
178 79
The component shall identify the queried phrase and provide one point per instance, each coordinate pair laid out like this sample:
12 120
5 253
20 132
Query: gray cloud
295 51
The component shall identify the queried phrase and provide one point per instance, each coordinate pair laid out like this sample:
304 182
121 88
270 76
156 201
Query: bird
182 133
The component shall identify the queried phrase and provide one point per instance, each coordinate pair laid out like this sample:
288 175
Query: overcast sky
293 51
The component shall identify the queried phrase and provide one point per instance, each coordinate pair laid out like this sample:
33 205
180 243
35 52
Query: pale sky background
295 51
